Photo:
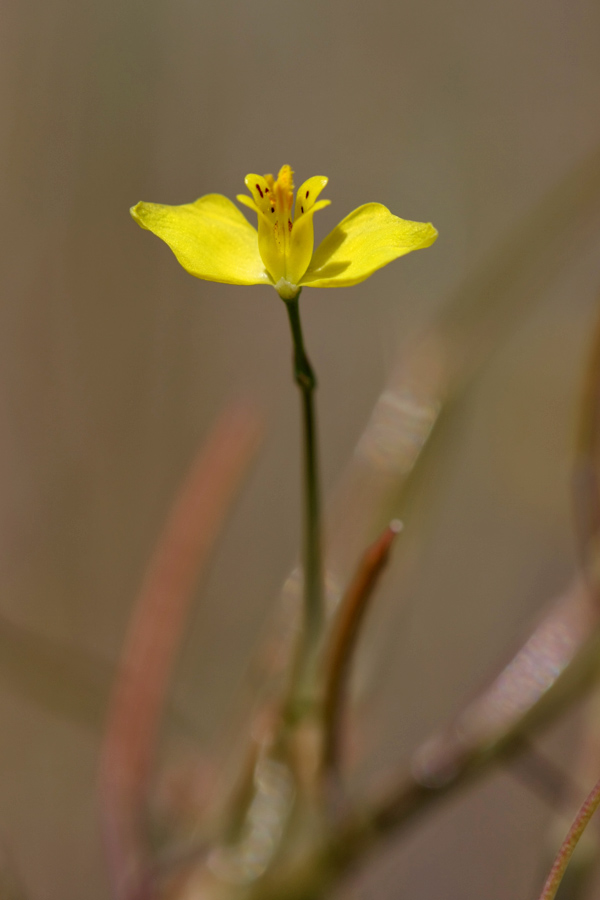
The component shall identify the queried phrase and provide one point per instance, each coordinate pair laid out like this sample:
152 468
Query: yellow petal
262 194
249 202
367 239
273 216
210 238
302 240
308 193
272 245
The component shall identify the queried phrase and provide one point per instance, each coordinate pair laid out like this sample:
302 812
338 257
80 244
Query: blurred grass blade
586 479
558 660
157 623
568 846
343 639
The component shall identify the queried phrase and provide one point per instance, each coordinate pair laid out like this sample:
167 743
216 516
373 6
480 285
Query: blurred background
114 363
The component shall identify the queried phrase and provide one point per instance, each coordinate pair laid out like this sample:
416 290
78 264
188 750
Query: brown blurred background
114 362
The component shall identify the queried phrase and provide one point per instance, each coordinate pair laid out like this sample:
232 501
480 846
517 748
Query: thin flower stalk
303 688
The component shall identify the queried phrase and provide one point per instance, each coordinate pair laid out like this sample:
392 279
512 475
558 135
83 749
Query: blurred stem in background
303 682
580 823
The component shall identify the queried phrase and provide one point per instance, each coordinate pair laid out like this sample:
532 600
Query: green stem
304 377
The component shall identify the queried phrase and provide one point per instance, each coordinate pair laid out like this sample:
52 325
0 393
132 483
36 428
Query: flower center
274 200
285 239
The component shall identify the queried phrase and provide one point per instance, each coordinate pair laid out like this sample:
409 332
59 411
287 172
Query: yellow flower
214 241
